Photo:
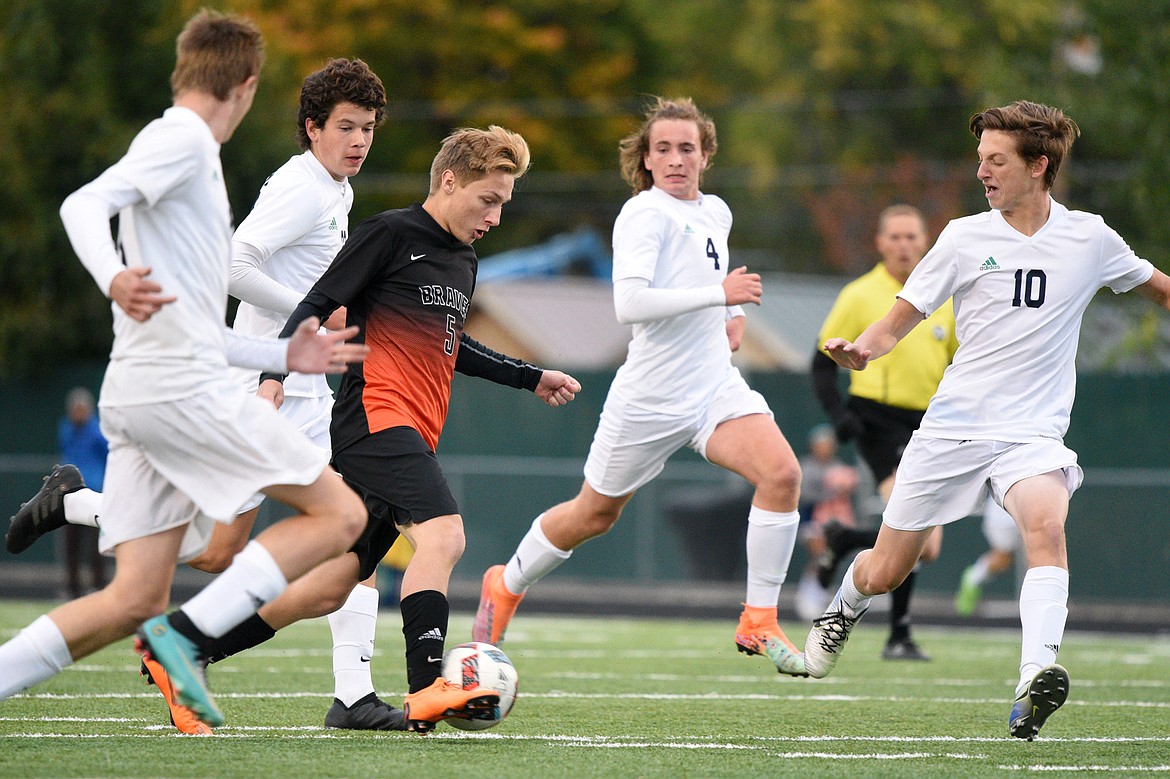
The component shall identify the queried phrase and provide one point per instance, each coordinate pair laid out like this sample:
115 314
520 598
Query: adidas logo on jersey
434 634
333 224
688 230
989 264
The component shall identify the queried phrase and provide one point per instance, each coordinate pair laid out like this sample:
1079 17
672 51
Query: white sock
771 537
83 507
252 580
535 558
978 572
353 628
1043 610
849 600
37 653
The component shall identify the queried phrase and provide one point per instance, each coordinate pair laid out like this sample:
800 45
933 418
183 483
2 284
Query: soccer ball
481 665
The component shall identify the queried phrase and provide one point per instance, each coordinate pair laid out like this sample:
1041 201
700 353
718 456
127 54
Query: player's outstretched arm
310 352
1156 289
556 388
877 340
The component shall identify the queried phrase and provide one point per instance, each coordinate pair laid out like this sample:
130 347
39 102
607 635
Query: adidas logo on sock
1054 647
434 634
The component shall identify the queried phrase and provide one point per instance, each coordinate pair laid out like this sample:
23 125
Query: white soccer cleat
826 641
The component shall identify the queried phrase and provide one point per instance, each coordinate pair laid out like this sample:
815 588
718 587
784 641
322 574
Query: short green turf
615 697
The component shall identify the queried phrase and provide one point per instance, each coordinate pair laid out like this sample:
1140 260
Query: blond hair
899 209
471 154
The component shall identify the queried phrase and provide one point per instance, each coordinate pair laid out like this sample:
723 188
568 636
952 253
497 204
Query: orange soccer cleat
444 700
759 633
496 607
181 717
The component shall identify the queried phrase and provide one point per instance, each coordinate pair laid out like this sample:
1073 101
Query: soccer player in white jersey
1021 275
297 226
677 387
187 444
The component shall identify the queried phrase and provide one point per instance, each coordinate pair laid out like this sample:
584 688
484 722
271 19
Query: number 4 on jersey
714 255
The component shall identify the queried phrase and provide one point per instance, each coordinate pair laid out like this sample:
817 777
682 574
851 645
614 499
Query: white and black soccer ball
481 665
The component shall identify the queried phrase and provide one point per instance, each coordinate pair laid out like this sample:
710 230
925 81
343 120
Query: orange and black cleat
444 700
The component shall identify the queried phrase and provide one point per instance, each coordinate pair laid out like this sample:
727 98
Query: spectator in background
884 405
827 489
80 442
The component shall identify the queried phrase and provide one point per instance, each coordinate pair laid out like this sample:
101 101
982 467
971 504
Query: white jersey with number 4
1018 302
674 365
298 225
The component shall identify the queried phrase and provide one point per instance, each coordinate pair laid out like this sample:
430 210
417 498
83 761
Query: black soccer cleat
46 511
1047 693
369 713
904 649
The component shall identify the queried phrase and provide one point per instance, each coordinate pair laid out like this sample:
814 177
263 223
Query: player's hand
336 320
313 352
741 287
847 354
735 327
272 391
137 296
556 388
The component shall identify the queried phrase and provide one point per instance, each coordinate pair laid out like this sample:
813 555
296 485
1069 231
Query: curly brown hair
1039 130
635 146
340 81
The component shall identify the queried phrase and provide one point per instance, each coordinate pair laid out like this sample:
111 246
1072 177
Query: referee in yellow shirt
887 400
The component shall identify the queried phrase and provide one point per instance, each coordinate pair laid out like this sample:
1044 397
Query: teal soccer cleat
184 664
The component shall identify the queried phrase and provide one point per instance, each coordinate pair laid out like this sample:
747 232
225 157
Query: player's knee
597 522
213 560
351 518
929 554
781 481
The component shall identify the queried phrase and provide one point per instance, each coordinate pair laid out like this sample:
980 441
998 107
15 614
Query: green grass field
610 697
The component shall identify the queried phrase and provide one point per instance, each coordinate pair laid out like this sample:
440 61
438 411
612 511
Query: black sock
900 609
183 624
245 635
850 538
252 631
424 625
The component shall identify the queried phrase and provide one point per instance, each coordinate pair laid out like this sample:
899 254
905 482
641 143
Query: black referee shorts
886 431
399 479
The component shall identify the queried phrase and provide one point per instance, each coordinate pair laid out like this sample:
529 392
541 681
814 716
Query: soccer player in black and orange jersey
406 277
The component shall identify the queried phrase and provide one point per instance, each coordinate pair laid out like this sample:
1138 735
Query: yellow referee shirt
908 376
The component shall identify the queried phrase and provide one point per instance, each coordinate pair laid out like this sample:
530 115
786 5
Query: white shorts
631 444
941 480
999 528
194 462
311 416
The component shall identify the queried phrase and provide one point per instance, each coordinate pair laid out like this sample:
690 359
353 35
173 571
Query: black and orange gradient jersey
407 283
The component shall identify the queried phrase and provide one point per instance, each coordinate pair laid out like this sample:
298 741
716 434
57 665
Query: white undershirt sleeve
634 300
251 285
734 311
264 354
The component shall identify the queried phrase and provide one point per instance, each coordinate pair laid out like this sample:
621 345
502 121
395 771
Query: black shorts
887 430
399 479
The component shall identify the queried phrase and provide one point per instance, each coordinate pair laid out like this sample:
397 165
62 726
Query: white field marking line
1151 769
74 719
729 678
614 742
562 695
892 681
